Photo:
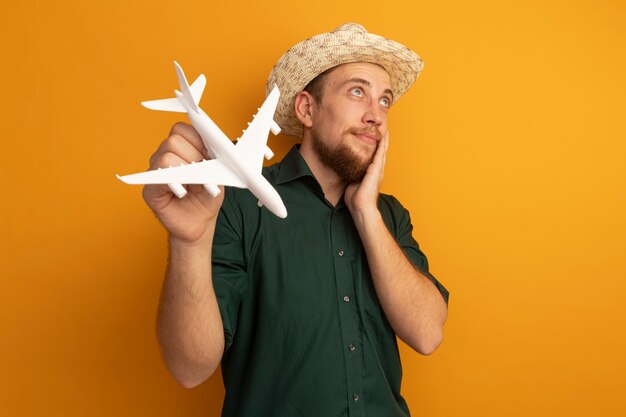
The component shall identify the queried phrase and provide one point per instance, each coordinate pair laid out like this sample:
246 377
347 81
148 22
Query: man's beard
343 160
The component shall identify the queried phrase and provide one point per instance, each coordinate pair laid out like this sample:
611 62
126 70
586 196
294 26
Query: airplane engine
275 128
213 189
178 190
268 153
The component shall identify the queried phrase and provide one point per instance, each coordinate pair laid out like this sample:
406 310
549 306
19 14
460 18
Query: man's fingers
169 159
386 146
188 132
184 145
165 160
178 145
381 153
382 146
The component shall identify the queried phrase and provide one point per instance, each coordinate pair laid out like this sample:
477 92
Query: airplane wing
205 172
252 145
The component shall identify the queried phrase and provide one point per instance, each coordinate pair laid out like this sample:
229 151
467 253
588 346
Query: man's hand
186 219
362 197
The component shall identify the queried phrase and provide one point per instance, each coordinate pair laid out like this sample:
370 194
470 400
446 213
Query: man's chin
365 155
354 166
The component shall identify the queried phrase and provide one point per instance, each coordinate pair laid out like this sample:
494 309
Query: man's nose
374 114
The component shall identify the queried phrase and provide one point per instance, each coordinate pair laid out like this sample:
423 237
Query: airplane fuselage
223 149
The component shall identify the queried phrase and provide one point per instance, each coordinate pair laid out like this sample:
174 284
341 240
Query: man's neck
332 184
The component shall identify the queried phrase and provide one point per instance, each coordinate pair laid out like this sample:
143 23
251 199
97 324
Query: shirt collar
293 166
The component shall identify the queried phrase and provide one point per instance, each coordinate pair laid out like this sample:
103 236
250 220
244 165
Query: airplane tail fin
189 94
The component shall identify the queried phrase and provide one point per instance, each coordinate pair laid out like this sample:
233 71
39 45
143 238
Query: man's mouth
371 137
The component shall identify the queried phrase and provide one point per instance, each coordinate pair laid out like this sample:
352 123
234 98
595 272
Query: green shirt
305 333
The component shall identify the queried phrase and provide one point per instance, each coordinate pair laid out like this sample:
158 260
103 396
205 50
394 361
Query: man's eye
356 91
385 102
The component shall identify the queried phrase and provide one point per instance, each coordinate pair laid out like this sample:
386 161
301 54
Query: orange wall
510 153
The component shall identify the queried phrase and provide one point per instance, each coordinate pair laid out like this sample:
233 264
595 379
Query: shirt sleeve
398 222
230 278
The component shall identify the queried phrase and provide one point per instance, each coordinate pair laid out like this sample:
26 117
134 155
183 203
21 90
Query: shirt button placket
348 315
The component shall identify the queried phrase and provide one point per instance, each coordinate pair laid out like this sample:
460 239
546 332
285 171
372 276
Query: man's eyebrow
366 83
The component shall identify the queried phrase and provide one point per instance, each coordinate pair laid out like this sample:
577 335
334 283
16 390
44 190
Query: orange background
509 152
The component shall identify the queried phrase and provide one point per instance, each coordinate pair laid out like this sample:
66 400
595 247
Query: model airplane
236 165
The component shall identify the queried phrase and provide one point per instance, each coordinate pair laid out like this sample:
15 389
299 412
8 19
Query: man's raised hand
186 219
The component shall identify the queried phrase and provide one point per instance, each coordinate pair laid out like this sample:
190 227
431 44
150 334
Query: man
303 312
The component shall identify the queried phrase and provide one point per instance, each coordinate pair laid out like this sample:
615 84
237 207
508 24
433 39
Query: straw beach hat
348 43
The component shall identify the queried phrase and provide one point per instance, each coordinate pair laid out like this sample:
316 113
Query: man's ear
304 105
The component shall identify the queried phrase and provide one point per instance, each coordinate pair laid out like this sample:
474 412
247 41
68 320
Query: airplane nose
268 197
280 210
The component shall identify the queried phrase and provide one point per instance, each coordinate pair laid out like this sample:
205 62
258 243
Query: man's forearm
413 305
189 325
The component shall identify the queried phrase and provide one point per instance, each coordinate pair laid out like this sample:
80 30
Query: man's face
350 118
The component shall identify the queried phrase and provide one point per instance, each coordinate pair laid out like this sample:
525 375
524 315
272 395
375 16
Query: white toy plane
236 165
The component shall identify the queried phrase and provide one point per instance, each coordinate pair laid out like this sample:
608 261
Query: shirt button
346 298
355 397
341 253
352 348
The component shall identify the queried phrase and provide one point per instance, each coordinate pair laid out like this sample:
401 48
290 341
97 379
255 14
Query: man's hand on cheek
362 197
